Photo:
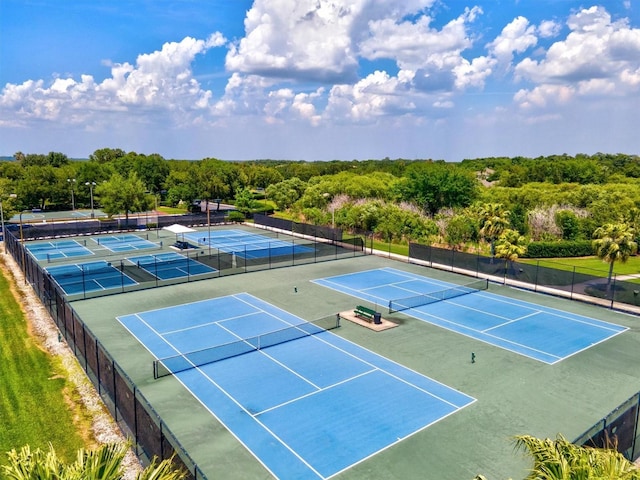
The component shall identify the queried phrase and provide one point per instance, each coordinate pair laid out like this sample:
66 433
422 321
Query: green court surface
514 394
35 216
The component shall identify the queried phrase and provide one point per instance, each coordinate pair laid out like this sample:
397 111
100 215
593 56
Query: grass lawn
596 266
36 401
172 210
391 247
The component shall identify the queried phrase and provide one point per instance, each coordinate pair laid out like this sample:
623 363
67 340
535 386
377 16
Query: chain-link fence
128 406
134 414
617 430
577 283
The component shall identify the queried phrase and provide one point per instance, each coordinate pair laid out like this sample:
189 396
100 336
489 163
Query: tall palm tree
510 246
494 219
103 463
614 242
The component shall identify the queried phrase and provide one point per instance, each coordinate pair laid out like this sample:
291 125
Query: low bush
575 248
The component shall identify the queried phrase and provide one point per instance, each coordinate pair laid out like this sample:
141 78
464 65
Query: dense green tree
34 160
106 155
212 181
57 159
461 229
569 224
321 190
433 186
182 185
124 195
286 193
261 176
8 198
152 170
614 243
37 187
244 201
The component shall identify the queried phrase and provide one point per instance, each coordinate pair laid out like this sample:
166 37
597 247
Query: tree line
545 199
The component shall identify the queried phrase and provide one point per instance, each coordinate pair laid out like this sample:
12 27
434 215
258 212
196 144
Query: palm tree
510 246
494 219
103 463
614 242
560 459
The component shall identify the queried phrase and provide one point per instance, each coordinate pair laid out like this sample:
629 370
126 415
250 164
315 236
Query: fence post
613 290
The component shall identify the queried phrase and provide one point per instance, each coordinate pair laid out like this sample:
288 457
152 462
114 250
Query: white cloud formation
600 56
312 39
517 36
160 80
299 63
306 38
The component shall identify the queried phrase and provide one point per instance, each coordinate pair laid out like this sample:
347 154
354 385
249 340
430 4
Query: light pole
91 185
73 198
332 208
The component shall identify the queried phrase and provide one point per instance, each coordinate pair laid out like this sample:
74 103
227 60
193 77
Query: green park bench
367 314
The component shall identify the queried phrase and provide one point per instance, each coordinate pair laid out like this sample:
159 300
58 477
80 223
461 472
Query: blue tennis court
166 266
247 245
309 406
89 277
125 243
57 250
545 334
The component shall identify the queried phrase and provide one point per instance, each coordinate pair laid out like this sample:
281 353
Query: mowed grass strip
36 400
591 265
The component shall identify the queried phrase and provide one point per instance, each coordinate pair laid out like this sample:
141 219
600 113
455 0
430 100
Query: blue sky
320 79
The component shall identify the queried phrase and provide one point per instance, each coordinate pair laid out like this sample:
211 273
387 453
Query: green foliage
181 186
575 248
433 186
614 243
560 459
286 193
261 176
124 195
315 216
320 190
387 220
244 201
103 463
152 170
36 187
260 206
569 224
510 245
106 155
461 229
235 216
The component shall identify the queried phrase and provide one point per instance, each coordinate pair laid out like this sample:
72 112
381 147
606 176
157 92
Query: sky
320 79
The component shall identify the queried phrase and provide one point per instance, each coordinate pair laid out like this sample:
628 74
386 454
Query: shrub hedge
575 248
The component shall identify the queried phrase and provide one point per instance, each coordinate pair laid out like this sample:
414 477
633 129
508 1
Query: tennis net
162 262
415 301
186 361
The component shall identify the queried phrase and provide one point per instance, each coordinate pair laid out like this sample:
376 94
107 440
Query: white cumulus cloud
599 56
160 80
